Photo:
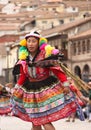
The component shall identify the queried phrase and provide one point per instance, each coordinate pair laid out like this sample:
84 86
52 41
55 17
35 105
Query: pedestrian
89 103
39 93
79 98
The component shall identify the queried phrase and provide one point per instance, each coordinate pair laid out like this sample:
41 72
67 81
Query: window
88 46
74 48
54 9
83 46
44 22
79 47
61 21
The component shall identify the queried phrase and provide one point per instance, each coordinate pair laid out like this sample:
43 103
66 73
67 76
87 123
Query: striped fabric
5 105
43 105
38 96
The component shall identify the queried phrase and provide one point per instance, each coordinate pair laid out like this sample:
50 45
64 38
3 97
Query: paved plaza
13 123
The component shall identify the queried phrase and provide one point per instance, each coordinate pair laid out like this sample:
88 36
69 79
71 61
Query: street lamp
7 72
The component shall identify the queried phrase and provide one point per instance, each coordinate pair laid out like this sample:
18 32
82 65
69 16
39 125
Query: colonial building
8 56
80 54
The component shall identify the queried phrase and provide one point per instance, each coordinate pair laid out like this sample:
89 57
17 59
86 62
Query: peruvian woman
39 93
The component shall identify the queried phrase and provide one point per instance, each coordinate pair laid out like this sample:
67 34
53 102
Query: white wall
2 64
3 1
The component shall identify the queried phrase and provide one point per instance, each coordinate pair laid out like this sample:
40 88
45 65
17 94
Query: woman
39 94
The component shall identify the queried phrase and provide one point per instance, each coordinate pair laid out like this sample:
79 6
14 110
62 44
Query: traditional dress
5 105
38 94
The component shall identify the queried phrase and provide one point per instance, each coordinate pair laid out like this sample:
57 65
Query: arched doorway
77 71
85 73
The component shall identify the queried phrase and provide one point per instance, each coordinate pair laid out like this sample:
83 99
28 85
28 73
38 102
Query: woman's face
32 44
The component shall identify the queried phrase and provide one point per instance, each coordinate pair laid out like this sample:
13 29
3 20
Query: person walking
81 100
89 102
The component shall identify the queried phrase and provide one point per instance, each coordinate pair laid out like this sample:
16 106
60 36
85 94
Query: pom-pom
23 42
43 46
23 53
48 50
42 41
55 51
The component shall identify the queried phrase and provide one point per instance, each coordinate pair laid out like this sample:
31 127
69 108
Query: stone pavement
13 123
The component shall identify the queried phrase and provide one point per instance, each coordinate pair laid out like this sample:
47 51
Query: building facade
80 55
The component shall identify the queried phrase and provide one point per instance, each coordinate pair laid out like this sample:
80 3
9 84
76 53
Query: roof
54 0
8 38
9 26
85 34
62 28
1 6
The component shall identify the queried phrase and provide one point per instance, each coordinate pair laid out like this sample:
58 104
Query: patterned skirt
5 105
42 102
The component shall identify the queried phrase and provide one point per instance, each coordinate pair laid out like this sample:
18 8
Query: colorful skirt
5 105
42 102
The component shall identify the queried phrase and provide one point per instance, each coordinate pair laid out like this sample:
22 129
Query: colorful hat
49 50
33 34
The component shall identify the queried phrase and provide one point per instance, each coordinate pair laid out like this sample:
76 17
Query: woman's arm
60 74
22 76
62 77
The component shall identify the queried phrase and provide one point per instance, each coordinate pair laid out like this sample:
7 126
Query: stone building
80 56
74 39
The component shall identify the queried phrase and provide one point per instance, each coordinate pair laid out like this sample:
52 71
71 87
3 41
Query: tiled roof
54 0
64 27
47 5
9 26
53 15
17 15
80 4
23 1
56 30
81 35
12 21
9 38
30 3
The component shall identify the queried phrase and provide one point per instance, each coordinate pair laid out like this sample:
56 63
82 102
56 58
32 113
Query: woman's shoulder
18 65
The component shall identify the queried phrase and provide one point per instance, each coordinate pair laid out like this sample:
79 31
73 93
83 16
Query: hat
33 34
23 51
